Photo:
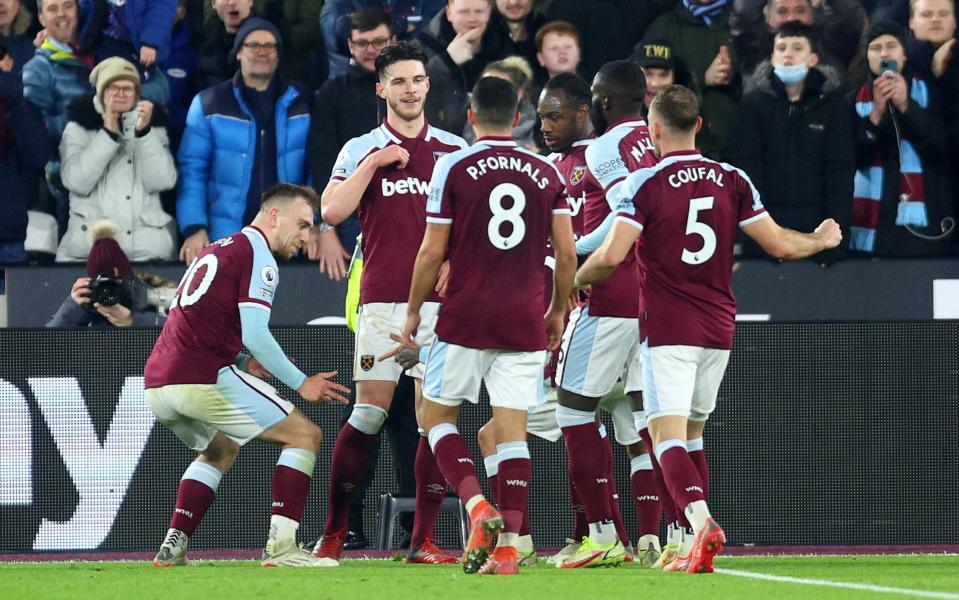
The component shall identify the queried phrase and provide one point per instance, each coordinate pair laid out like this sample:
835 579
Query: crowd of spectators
170 117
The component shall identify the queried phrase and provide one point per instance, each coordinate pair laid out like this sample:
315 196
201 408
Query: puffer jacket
799 155
218 149
50 81
116 179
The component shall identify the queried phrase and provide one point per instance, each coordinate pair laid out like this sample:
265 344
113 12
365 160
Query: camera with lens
132 293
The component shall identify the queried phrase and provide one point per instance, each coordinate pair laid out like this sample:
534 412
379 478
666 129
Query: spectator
522 23
180 69
346 107
932 24
15 22
115 162
308 64
135 30
22 156
217 36
903 203
408 18
659 65
557 51
108 261
698 31
51 79
793 137
517 71
242 136
460 41
838 23
608 29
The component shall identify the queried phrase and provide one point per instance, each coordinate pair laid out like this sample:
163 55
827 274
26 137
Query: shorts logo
366 362
268 275
577 175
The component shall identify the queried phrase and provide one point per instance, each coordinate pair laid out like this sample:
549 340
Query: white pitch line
879 589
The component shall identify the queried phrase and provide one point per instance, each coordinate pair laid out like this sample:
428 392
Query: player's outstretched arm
340 198
426 271
787 244
255 326
564 250
607 257
594 239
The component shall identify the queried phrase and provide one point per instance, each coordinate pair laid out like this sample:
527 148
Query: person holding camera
902 198
110 295
115 161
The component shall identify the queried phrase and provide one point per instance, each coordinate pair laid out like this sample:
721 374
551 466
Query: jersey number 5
696 227
185 297
501 215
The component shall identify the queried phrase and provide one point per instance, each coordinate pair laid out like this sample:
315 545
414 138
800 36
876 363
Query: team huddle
470 264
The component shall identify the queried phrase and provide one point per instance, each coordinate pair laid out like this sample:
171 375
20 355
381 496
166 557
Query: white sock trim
694 445
492 465
297 458
439 432
665 445
640 463
205 473
511 450
367 418
639 419
570 417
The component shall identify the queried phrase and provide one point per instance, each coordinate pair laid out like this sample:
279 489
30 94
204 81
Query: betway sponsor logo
410 185
517 482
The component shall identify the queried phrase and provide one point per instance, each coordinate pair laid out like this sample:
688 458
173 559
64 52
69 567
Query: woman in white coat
115 161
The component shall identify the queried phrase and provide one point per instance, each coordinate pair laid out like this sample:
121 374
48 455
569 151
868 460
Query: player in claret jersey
688 209
384 175
492 209
600 345
210 395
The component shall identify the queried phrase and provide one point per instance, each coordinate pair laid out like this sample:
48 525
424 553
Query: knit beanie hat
110 70
255 24
106 257
886 27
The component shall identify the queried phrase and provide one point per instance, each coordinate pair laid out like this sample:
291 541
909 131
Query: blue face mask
791 75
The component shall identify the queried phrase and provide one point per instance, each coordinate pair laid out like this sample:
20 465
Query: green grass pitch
930 576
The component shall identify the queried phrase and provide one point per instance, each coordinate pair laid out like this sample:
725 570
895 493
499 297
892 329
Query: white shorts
596 352
682 381
621 410
238 404
376 321
454 374
541 422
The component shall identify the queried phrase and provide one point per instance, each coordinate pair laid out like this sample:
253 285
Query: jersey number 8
501 216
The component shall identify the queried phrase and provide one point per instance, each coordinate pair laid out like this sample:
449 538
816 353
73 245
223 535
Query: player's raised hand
326 248
409 330
392 154
318 389
830 233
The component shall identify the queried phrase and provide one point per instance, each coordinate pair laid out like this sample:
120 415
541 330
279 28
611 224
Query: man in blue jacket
242 136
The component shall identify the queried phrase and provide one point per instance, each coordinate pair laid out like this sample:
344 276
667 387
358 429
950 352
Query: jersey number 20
501 216
697 227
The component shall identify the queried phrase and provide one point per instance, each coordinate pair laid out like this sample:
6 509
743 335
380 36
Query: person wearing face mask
793 137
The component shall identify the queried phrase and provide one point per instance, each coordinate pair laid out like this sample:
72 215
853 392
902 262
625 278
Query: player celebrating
600 344
385 175
493 206
688 208
209 395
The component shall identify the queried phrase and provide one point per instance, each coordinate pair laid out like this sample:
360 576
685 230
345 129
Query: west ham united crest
577 175
366 362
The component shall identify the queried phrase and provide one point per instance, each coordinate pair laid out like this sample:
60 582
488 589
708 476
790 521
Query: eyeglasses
377 44
254 47
122 90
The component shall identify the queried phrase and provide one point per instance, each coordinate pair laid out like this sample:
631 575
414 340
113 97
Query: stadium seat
391 506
